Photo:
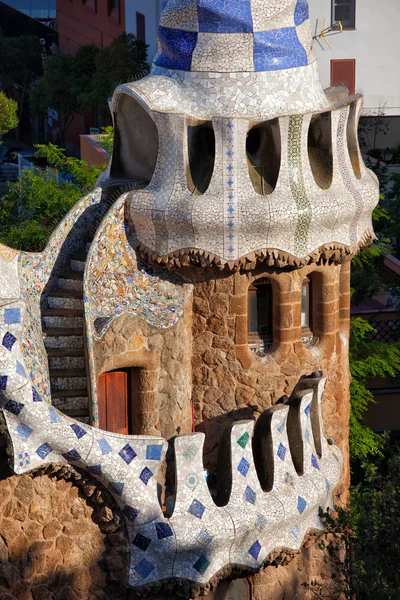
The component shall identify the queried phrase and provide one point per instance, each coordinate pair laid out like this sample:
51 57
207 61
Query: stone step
64 293
62 331
76 412
77 393
63 341
74 403
62 312
62 352
77 265
61 302
58 322
66 362
70 284
67 383
72 274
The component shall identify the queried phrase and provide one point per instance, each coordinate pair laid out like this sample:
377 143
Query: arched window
260 315
306 310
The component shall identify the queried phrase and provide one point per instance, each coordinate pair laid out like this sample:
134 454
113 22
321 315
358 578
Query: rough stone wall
164 356
60 538
229 378
231 383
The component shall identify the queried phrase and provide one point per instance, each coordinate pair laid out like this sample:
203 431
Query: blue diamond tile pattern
261 522
163 531
14 407
176 48
104 446
44 450
23 431
12 316
130 512
8 340
153 452
281 427
141 541
255 550
127 454
3 382
19 367
314 462
54 418
96 469
35 395
250 495
204 538
196 509
201 565
144 568
278 49
225 16
73 455
79 431
281 451
301 504
307 409
243 467
296 532
117 487
301 12
269 50
145 475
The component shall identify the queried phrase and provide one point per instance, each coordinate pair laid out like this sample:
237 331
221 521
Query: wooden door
113 400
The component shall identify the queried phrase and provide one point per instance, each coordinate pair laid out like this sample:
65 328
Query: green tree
8 114
61 87
20 63
34 205
125 59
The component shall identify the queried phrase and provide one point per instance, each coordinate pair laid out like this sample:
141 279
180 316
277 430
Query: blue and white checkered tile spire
234 35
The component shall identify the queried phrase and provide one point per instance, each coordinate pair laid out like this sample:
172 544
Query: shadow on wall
60 537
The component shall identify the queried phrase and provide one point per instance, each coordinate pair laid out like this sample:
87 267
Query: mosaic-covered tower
203 288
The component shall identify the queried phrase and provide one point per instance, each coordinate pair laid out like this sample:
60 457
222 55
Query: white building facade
365 56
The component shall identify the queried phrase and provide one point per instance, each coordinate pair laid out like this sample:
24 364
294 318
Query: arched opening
307 310
263 149
119 401
320 149
352 139
260 315
201 156
238 589
135 142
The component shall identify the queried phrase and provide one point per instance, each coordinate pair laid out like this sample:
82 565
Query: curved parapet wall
315 200
200 542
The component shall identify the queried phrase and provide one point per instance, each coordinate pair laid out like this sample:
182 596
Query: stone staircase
63 332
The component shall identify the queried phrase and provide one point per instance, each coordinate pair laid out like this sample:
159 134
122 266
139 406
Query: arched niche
135 141
320 149
263 150
200 156
352 139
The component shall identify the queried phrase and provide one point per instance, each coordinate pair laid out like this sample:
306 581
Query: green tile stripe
296 179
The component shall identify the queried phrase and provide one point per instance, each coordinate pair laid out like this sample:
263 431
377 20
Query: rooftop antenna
322 35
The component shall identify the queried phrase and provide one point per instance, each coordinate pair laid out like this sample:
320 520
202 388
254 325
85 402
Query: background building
42 10
365 56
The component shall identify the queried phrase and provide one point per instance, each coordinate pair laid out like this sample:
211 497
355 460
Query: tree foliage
34 205
20 63
8 114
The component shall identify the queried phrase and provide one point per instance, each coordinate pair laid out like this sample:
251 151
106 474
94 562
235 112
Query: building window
345 12
140 27
260 315
113 9
306 310
90 4
343 72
